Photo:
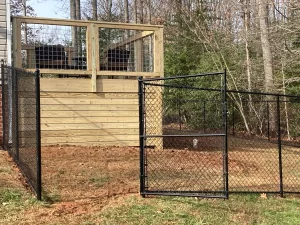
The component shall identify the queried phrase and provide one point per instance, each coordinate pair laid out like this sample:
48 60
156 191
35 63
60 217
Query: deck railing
93 49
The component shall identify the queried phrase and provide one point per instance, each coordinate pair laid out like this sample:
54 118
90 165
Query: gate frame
142 136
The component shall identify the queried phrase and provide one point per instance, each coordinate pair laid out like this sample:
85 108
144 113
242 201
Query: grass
239 209
132 209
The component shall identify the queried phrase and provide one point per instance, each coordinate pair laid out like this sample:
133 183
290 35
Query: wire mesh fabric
51 47
185 134
22 122
183 151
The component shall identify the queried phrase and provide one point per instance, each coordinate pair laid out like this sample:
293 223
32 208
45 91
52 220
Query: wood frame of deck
92 43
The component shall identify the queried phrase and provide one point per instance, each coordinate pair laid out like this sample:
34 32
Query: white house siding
3 37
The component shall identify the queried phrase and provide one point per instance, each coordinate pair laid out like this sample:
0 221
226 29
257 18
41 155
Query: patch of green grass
239 209
10 195
99 181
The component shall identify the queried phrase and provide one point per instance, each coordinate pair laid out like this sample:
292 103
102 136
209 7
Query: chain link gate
183 136
21 122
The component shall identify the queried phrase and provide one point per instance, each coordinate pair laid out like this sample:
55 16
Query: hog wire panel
126 50
184 144
22 130
54 47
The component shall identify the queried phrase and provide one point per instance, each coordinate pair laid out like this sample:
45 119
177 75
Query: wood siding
75 117
3 38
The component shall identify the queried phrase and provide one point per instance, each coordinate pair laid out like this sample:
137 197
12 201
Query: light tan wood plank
130 74
115 138
91 126
89 107
87 95
101 143
87 120
84 85
17 43
93 113
129 40
55 21
63 71
85 101
102 132
95 56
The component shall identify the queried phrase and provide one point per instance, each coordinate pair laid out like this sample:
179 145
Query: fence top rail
56 21
184 76
263 93
213 89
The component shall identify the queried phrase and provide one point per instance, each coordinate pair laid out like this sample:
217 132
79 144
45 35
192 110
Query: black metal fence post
15 113
233 115
141 135
179 110
225 110
204 116
279 146
38 136
268 118
3 105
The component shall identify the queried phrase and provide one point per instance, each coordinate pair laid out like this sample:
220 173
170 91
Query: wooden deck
96 65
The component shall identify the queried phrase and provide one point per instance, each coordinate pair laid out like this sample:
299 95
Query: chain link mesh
21 133
184 147
179 155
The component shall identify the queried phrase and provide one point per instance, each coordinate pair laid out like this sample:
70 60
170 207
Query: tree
16 9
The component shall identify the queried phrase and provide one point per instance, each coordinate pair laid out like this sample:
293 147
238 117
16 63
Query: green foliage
10 195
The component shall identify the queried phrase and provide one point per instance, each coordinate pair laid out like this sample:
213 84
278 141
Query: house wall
3 39
3 52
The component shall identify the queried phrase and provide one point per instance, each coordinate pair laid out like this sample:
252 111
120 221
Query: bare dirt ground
79 182
74 173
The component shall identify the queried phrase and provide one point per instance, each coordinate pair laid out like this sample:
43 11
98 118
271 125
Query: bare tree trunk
126 11
138 44
78 17
94 8
109 8
151 67
246 27
285 101
267 59
74 29
149 11
246 16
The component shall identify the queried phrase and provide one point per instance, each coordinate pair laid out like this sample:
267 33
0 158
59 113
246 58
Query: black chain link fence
183 147
186 139
21 122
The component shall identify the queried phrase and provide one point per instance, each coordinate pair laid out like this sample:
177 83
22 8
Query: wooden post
158 68
158 52
91 42
95 56
17 43
138 55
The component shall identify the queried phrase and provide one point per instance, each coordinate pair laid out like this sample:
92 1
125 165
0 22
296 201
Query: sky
49 8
